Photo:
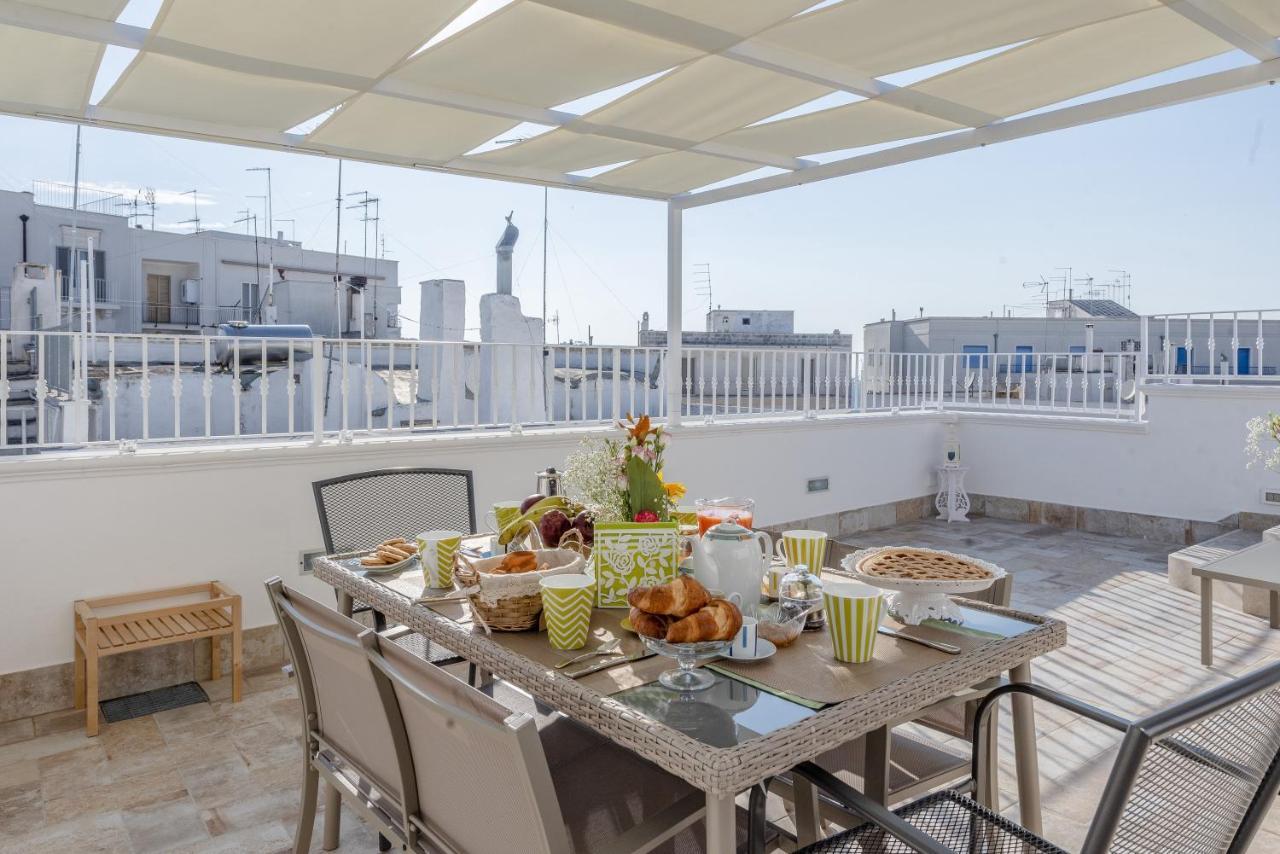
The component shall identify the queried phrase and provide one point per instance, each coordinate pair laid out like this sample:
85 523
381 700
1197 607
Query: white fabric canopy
651 98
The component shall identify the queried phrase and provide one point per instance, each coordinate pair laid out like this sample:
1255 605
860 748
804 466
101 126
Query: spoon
604 649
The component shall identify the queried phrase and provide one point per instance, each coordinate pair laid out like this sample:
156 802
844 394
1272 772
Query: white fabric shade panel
535 55
355 38
409 82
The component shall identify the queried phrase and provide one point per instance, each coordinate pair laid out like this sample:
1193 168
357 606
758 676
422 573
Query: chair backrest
358 511
480 775
339 694
1198 776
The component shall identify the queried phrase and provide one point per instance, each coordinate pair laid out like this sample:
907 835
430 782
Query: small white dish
764 649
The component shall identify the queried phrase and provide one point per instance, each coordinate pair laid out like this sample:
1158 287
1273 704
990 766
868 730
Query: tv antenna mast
1122 287
195 210
702 281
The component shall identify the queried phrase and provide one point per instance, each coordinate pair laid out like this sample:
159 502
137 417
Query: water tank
191 291
252 336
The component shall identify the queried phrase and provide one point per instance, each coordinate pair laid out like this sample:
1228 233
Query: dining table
759 719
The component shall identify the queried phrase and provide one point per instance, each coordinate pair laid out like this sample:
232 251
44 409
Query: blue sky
1186 199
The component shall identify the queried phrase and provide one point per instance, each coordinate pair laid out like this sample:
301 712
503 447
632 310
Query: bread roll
718 621
649 625
679 598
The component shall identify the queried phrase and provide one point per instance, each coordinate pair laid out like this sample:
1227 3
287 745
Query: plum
553 525
585 524
530 501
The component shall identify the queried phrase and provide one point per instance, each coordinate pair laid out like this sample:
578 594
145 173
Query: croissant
719 620
679 598
649 625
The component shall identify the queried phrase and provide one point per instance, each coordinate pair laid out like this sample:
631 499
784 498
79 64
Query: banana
518 526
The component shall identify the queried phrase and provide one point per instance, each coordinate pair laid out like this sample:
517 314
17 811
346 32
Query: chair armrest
864 807
1049 695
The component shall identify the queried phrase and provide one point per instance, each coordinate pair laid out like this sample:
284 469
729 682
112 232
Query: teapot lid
727 530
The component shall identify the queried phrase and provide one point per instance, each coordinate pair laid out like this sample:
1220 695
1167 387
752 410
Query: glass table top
726 714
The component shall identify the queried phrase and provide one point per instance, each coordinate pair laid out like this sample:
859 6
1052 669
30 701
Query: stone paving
224 777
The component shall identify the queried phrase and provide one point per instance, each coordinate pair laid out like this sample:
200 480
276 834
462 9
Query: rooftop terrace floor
224 777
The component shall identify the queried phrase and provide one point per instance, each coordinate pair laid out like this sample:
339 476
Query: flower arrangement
620 480
1260 430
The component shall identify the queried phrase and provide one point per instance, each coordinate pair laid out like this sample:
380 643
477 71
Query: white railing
1095 384
1214 347
60 389
760 381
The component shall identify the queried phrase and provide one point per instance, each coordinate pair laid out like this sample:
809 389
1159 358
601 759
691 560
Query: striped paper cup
853 612
803 547
436 553
566 605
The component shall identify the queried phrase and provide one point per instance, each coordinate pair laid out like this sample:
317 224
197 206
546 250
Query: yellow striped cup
503 514
566 605
803 547
436 553
853 611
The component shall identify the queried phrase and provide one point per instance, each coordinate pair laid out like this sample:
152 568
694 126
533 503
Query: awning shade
651 98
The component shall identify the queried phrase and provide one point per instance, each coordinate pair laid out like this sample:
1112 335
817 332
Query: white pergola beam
136 38
1229 25
674 28
673 369
1169 94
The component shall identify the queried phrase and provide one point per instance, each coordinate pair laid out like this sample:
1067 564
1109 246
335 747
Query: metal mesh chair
359 511
1197 777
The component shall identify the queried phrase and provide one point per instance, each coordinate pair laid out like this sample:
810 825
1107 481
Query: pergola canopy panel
404 129
707 98
354 38
165 87
566 151
535 55
647 98
887 36
849 126
1077 62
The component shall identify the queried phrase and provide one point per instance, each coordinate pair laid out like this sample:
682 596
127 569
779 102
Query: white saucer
764 649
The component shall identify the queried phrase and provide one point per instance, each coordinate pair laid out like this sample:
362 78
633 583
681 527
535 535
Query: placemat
807 670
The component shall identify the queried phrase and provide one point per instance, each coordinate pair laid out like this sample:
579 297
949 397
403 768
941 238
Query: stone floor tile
45 745
264 839
21 807
221 783
169 826
97 833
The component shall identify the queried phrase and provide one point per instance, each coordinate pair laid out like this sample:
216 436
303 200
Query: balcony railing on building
196 316
1215 347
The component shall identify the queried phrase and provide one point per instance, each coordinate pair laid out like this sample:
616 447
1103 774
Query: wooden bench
109 625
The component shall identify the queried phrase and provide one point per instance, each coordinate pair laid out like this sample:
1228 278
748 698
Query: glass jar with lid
801 590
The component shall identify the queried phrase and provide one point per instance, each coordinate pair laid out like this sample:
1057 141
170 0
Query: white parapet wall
1186 461
94 523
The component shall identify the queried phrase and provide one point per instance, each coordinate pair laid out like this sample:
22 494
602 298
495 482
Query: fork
604 649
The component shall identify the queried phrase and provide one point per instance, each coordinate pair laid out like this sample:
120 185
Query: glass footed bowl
780 623
687 677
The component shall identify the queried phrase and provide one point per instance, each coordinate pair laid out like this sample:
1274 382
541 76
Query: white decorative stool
952 501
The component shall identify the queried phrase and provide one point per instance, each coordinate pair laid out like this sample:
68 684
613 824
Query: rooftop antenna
257 265
1124 287
270 234
702 281
149 196
195 210
337 259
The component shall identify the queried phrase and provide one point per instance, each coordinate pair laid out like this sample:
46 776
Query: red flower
646 516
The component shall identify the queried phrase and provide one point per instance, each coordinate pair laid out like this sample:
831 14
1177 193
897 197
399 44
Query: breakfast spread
682 611
390 552
921 565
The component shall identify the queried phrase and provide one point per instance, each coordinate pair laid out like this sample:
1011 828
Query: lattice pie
921 565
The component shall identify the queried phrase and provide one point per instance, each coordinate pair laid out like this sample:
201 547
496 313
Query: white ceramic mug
745 641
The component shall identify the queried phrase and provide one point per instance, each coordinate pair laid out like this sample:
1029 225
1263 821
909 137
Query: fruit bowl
687 677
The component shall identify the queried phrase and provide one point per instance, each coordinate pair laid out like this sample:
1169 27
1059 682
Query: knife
605 665
938 645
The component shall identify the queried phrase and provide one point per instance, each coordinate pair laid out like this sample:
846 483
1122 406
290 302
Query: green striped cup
803 547
566 606
436 553
853 612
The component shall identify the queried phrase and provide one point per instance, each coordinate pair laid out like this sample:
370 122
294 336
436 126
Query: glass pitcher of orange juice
713 511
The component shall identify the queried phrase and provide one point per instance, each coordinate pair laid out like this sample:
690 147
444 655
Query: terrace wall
93 524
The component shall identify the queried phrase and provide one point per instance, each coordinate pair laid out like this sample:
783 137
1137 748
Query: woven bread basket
512 602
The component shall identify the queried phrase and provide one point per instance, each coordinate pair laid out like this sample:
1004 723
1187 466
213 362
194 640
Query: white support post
675 310
318 370
1140 368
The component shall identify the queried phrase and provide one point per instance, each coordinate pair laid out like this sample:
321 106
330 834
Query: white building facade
160 281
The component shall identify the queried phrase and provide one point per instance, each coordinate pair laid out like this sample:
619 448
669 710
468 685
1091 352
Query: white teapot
733 559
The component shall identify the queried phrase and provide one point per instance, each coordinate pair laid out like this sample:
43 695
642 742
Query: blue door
976 361
1181 361
1242 361
1022 363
